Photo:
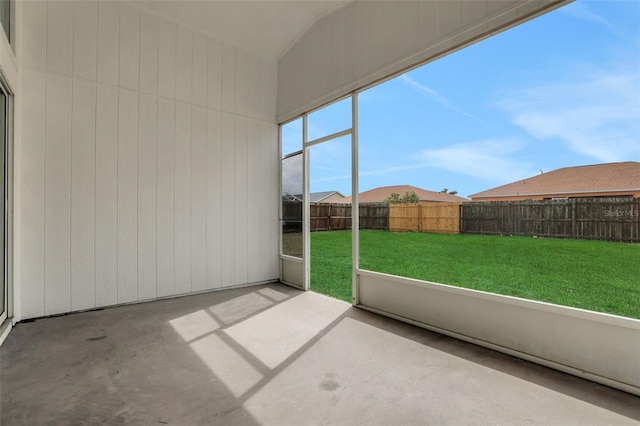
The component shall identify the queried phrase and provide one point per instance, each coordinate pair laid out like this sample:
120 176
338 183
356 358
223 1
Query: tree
408 197
446 191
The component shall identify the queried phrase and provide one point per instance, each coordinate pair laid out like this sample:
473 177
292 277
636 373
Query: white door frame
297 271
7 279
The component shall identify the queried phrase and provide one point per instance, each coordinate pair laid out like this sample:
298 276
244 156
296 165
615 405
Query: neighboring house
378 195
323 197
597 180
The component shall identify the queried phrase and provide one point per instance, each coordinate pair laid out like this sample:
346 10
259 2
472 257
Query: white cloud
333 178
437 97
394 170
597 116
489 160
582 11
331 161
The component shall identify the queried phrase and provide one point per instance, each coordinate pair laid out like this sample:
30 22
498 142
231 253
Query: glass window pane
291 137
329 120
330 167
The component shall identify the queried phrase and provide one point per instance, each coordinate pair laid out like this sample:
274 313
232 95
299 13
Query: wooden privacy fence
373 216
330 217
443 218
333 217
614 219
404 217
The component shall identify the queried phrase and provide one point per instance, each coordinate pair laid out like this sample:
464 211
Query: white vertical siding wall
148 160
369 40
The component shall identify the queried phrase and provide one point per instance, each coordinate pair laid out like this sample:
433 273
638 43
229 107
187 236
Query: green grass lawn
596 275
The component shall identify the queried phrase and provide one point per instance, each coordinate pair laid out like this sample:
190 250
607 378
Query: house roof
378 195
318 197
596 178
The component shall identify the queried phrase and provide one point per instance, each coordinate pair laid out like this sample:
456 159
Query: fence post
388 218
574 231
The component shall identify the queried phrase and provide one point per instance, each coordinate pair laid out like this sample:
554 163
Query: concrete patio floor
272 355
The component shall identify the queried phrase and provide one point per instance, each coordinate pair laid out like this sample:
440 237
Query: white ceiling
264 27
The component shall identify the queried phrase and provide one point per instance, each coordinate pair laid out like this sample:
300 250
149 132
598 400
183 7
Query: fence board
374 216
340 216
435 217
333 217
442 218
320 217
404 217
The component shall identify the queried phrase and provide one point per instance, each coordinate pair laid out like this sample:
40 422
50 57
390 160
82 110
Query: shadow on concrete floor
275 355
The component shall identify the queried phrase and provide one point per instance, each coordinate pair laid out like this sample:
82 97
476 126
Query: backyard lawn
596 275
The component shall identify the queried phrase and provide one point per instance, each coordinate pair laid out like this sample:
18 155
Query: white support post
306 210
355 208
280 221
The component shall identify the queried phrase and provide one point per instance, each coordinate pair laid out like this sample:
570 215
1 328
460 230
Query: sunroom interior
143 162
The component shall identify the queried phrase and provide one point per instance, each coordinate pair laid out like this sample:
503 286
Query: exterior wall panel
85 40
198 212
214 74
57 187
227 200
34 42
165 248
241 192
184 64
147 200
253 193
134 182
200 58
182 219
83 147
167 59
106 183
60 37
228 94
127 196
149 45
108 41
32 200
214 207
129 63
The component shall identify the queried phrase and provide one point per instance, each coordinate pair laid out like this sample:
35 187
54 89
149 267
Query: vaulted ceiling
265 27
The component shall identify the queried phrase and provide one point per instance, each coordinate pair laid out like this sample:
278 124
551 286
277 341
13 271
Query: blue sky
561 90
